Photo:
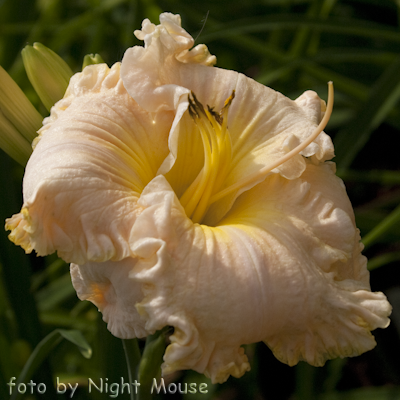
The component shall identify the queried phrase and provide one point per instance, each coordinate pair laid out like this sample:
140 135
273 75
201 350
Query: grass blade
44 348
383 96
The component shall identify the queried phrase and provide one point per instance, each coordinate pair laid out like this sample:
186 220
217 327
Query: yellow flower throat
213 129
214 133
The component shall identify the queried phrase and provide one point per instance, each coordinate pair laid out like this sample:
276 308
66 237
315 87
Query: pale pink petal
107 285
284 266
263 124
96 153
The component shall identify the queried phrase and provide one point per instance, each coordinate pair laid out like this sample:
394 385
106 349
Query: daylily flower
193 197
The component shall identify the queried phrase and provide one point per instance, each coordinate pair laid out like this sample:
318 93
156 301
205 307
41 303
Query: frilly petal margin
94 155
346 319
263 124
242 282
107 285
280 261
171 291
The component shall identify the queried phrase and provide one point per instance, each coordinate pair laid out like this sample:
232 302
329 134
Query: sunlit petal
263 124
95 154
289 273
193 197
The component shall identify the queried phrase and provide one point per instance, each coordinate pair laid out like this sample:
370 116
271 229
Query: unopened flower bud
17 109
91 59
48 73
12 142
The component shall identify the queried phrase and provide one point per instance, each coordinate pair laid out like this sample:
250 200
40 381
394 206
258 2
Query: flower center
214 133
212 126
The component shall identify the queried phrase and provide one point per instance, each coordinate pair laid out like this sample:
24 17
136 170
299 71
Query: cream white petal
284 267
278 260
182 286
263 124
107 285
95 154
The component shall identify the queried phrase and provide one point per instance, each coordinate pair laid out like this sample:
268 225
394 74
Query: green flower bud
12 142
91 59
17 109
48 73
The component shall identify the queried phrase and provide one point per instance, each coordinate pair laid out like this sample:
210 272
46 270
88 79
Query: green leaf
55 293
368 393
52 270
16 266
382 228
380 261
132 357
76 337
381 176
152 357
341 26
383 96
150 364
5 356
305 381
44 348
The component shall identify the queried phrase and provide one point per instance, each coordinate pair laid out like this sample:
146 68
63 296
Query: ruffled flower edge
153 244
157 234
264 125
36 227
93 79
346 314
345 331
158 76
346 317
99 78
20 227
108 286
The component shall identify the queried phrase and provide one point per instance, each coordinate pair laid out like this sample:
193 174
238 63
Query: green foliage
290 45
43 349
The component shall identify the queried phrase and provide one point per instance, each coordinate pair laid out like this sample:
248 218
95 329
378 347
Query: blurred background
289 45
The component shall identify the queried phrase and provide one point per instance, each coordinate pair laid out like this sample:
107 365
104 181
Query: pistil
269 167
213 129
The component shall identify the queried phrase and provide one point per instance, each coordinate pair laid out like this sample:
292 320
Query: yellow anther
212 127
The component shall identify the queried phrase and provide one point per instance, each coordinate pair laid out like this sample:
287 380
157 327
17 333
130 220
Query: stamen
193 194
268 168
212 127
